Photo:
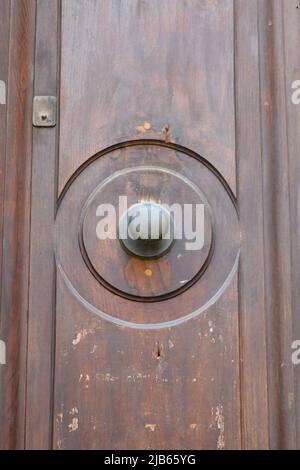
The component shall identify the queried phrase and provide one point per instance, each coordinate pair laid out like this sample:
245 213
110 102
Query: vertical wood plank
278 154
291 17
4 50
124 63
267 142
254 397
15 263
42 269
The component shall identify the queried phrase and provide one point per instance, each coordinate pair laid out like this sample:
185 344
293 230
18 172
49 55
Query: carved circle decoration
141 279
135 292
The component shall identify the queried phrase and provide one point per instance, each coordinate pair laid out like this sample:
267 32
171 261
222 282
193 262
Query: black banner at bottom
150 459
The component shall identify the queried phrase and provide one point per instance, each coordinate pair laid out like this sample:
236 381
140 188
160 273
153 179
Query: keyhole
44 117
159 350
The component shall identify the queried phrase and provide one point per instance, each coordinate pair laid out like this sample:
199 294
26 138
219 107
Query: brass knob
146 230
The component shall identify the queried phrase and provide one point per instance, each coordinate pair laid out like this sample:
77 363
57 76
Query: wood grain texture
42 268
254 415
113 390
146 387
291 40
277 20
129 62
209 79
132 324
4 50
15 263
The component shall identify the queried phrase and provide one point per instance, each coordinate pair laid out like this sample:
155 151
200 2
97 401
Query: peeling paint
107 377
145 127
74 411
138 377
73 426
219 419
152 427
291 399
58 444
83 333
84 377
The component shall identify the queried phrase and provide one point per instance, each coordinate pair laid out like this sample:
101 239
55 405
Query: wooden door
175 101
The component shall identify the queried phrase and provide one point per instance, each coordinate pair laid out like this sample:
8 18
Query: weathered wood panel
156 63
254 416
42 269
15 262
279 23
291 29
204 80
169 63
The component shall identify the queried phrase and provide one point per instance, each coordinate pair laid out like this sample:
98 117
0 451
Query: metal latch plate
44 111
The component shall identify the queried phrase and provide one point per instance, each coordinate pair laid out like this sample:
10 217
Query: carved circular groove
104 278
120 271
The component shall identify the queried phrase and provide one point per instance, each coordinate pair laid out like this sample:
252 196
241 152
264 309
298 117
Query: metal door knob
146 230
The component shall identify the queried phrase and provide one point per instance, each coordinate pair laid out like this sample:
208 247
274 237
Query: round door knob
146 230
